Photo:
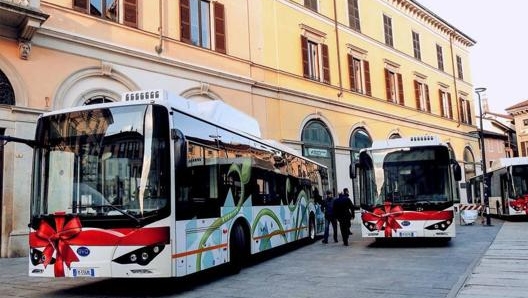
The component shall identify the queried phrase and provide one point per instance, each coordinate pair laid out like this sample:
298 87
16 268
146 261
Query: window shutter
220 36
470 118
304 49
401 100
427 99
461 115
130 13
351 73
449 106
417 95
185 21
387 85
523 149
366 69
326 64
441 103
81 5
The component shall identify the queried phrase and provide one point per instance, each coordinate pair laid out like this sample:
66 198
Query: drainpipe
454 76
159 48
338 52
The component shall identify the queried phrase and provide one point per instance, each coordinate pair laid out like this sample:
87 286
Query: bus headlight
37 257
370 226
442 226
146 255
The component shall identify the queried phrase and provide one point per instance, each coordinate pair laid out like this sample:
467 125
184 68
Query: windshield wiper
137 220
30 143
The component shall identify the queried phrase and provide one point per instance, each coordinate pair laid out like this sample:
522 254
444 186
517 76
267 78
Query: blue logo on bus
405 223
83 251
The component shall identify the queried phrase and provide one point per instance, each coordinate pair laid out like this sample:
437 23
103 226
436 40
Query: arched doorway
318 145
7 94
7 97
358 140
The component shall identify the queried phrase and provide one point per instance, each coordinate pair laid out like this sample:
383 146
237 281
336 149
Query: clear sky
499 60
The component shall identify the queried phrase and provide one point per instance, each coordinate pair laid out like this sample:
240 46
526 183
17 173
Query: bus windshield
405 176
520 180
106 162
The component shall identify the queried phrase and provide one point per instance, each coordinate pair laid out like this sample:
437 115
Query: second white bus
407 188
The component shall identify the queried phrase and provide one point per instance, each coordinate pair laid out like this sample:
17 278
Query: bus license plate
83 272
408 234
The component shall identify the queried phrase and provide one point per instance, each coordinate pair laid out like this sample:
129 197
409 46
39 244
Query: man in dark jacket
344 213
328 207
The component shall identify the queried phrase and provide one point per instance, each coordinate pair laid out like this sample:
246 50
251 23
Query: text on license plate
408 234
78 272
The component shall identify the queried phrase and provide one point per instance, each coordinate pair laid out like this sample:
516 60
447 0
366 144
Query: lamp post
484 174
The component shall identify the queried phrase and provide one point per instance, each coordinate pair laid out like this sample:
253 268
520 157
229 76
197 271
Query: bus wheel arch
239 245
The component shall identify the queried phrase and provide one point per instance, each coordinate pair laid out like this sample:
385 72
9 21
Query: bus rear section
407 188
507 186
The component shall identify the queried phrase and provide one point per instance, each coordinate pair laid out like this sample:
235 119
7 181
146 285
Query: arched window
358 140
7 94
395 136
98 99
469 163
316 132
319 146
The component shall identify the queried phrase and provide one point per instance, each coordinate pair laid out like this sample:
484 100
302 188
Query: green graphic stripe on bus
244 172
279 232
268 212
302 197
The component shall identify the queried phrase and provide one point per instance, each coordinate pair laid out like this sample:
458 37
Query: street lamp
484 174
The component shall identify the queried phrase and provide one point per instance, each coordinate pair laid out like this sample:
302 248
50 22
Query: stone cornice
420 12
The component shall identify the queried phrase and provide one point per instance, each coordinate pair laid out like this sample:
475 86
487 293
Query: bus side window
293 190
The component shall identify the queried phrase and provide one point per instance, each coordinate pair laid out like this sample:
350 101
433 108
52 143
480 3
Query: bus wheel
311 228
237 248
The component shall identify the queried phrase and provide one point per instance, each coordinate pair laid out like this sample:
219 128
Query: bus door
502 204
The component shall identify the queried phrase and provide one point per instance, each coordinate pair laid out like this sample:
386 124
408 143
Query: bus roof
415 141
215 111
508 161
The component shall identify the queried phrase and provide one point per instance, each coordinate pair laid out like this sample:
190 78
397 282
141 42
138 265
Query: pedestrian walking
344 213
328 208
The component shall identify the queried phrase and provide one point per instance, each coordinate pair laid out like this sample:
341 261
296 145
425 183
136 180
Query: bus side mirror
352 170
457 171
180 151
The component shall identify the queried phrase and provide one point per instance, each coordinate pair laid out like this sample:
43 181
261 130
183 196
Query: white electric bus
507 187
407 188
160 186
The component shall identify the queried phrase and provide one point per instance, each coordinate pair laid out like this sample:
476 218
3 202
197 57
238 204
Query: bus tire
237 248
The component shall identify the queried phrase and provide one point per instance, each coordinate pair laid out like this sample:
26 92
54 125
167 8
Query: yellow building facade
323 77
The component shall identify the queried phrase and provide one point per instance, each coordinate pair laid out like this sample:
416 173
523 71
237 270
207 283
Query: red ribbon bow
520 203
387 218
59 241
